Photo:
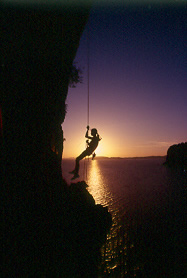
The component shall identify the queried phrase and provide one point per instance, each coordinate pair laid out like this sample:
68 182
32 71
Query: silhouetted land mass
49 229
177 156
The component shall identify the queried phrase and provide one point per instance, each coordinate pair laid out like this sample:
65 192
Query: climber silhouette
91 146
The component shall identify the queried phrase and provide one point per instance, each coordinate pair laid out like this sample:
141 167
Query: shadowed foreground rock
85 227
63 240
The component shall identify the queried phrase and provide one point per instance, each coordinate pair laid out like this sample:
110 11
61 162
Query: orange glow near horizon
132 137
111 147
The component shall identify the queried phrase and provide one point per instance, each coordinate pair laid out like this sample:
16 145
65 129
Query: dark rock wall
38 49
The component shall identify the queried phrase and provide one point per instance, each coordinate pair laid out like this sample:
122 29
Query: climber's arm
86 135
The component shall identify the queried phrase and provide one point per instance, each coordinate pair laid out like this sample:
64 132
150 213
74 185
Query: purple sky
138 92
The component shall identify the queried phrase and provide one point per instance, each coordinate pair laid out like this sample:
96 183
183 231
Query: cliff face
37 51
39 213
177 156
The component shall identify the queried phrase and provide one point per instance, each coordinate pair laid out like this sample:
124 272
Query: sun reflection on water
97 187
118 248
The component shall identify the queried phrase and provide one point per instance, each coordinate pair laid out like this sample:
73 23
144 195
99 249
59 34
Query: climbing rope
88 76
86 160
85 174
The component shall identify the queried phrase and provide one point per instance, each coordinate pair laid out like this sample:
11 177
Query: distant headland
177 156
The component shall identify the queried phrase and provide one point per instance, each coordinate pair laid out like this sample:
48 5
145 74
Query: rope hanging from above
88 76
88 100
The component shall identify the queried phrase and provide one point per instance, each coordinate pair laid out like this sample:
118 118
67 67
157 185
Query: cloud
160 143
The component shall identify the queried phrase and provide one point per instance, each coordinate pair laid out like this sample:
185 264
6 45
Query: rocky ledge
85 229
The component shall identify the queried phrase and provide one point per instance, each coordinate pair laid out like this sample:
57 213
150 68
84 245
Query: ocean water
146 201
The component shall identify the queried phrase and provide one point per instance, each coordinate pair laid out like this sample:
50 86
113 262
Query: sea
147 202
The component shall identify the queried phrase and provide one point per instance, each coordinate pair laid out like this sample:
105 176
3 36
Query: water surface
139 195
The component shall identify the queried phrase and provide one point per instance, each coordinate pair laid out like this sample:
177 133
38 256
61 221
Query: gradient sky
138 89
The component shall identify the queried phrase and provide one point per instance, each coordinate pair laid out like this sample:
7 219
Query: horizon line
119 157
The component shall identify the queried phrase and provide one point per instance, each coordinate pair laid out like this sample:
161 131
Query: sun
99 150
102 149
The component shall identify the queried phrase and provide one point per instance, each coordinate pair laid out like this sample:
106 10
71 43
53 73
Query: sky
137 81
